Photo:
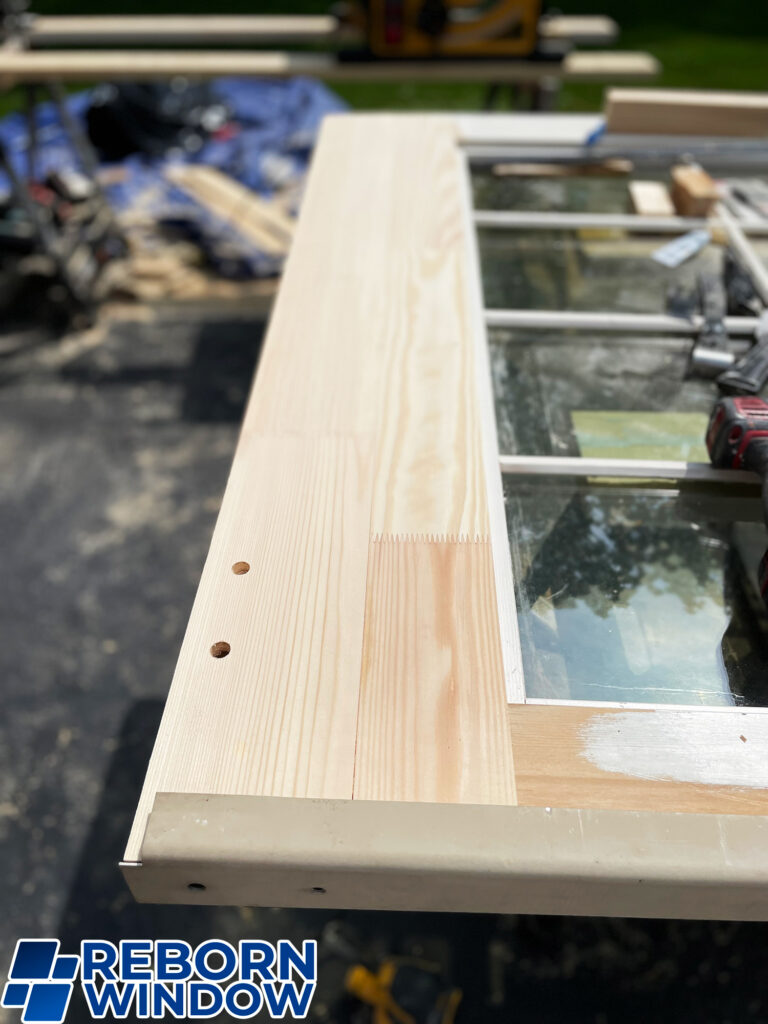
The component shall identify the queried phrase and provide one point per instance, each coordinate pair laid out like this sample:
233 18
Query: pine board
363 429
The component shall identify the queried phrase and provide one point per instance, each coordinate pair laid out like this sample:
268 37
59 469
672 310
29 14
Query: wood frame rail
598 320
630 469
529 220
90 29
210 29
147 65
364 740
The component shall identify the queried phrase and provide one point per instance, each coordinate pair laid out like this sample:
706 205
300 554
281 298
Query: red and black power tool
737 438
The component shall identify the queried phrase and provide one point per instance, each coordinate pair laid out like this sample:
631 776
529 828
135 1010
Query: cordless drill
737 438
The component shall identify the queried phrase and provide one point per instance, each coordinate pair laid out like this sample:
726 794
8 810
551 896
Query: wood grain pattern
685 761
429 471
363 419
48 30
432 684
335 318
605 65
277 715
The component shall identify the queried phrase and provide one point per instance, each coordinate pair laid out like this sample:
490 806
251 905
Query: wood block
599 65
651 199
694 192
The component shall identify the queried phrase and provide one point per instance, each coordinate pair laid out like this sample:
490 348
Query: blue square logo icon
40 981
47 1002
33 959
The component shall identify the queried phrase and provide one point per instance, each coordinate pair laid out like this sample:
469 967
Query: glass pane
632 593
602 395
577 194
588 269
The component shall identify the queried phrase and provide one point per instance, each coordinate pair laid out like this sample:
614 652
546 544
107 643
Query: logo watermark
154 979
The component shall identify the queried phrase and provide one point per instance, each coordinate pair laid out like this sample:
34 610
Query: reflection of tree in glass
601 551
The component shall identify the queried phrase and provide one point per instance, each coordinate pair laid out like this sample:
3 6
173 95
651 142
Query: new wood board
687 112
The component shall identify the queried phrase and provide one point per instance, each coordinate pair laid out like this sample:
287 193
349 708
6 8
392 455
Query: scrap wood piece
595 66
694 192
745 253
262 222
748 198
613 168
583 28
686 112
651 199
106 30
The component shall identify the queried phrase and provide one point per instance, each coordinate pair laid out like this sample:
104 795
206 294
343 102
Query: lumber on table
596 66
87 30
578 28
137 65
686 112
47 30
261 221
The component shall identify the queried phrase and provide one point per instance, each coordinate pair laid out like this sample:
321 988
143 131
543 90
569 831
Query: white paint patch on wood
680 746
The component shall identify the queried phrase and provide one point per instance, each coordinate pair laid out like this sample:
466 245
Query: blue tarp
268 139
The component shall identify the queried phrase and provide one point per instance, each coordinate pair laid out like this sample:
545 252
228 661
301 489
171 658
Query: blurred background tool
737 438
58 219
404 992
448 28
386 988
